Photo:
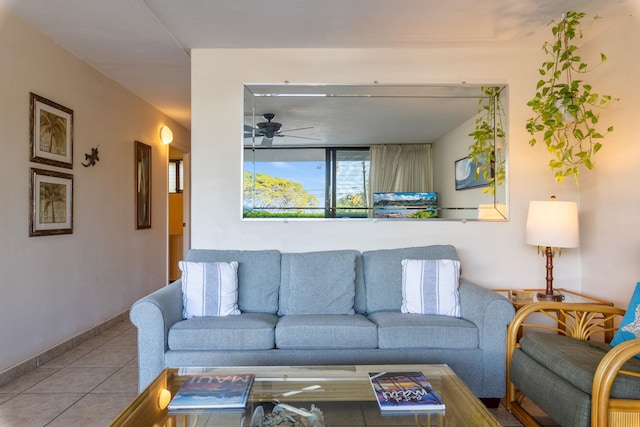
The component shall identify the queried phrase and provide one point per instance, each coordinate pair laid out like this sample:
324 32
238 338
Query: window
350 179
305 182
176 176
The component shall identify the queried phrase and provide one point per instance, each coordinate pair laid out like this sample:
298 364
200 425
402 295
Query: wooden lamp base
549 294
554 296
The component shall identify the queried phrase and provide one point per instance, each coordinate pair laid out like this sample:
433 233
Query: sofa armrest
153 315
491 313
488 310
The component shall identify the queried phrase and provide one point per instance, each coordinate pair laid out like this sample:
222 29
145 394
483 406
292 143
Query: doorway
178 210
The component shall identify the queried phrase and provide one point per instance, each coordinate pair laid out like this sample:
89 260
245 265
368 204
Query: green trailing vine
488 131
565 107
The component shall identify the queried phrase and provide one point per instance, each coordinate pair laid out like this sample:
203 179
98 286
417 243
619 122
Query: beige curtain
397 168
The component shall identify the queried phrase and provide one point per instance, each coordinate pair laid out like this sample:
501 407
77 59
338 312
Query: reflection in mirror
368 151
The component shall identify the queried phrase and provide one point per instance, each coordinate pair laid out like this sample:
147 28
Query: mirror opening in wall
375 151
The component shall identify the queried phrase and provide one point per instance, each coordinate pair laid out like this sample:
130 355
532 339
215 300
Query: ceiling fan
269 130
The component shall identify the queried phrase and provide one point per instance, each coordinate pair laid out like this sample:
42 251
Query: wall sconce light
166 135
552 224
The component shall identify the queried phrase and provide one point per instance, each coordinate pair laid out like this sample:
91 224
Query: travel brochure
404 391
214 391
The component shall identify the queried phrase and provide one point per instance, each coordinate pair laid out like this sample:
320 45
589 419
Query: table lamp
552 224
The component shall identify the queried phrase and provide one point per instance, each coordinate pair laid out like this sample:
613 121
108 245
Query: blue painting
405 205
465 170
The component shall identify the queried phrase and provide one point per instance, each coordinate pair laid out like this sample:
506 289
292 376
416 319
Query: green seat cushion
576 361
566 404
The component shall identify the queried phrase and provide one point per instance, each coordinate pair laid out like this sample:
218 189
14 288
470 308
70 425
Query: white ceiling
144 44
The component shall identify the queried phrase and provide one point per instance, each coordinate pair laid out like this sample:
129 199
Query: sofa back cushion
258 276
383 273
318 283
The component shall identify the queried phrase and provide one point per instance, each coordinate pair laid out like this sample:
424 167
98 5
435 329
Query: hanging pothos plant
488 134
565 107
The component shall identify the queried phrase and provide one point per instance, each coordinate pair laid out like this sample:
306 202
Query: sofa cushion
318 283
399 330
209 288
325 331
246 331
630 324
383 273
576 361
430 286
258 276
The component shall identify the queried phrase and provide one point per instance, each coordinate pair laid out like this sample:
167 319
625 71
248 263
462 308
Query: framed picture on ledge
465 171
143 185
51 133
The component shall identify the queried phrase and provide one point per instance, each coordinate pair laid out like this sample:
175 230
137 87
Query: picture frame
51 132
51 203
465 175
143 185
405 205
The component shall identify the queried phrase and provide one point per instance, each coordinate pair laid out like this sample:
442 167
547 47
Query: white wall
493 254
610 195
55 287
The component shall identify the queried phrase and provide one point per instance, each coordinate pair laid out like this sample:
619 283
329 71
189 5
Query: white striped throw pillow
209 288
431 286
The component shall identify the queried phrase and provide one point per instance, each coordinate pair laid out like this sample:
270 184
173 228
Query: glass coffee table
341 394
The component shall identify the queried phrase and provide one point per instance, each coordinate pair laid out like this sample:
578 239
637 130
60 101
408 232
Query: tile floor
90 384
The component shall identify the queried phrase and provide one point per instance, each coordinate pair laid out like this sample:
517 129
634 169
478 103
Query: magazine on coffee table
213 391
404 391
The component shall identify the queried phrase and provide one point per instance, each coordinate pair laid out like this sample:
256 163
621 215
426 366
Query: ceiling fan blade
293 130
300 137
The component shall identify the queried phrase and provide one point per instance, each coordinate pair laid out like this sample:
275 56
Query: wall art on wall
51 203
143 185
465 171
51 132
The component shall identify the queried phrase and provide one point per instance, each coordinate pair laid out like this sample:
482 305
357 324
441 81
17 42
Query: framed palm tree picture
51 132
51 203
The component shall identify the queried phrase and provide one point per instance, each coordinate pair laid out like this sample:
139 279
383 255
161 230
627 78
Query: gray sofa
278 326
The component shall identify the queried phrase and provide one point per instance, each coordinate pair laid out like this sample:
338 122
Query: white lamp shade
553 223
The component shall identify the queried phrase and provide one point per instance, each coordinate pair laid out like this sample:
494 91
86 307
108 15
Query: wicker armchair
581 322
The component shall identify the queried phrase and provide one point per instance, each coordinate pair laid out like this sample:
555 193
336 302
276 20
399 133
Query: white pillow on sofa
431 286
209 288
